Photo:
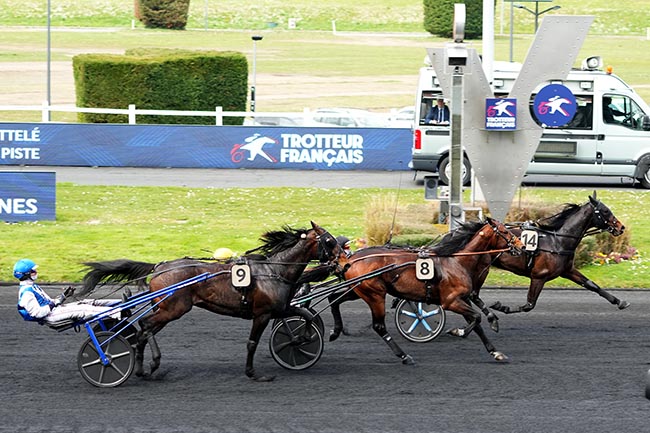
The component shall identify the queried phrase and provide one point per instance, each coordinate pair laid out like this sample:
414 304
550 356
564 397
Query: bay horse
558 237
460 262
274 271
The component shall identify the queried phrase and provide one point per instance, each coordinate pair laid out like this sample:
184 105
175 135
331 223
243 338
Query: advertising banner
205 146
27 196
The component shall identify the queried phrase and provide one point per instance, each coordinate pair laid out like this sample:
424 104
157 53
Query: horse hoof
334 335
494 326
622 305
263 378
408 360
456 332
500 357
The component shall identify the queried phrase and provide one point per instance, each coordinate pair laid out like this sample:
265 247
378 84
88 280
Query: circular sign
554 105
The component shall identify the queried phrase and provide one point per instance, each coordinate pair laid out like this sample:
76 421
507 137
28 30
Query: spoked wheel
121 359
295 346
419 322
318 320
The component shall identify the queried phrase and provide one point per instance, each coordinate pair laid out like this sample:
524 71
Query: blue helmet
23 267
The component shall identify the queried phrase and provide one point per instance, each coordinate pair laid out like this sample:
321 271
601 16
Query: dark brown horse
445 276
558 237
272 274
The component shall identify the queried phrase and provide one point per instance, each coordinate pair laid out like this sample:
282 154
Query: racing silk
33 302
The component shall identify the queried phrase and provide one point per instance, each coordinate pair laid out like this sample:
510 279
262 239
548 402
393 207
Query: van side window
622 110
584 117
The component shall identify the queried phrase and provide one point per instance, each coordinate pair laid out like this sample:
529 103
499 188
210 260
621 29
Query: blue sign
27 196
554 105
194 146
501 114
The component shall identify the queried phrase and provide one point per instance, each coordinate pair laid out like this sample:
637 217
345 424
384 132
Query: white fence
307 117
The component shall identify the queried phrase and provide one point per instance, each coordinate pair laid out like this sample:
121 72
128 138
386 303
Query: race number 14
241 275
424 269
529 239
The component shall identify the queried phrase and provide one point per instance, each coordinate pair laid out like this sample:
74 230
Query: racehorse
273 272
558 237
459 263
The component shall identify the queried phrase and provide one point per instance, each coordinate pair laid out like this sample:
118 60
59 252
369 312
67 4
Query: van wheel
444 171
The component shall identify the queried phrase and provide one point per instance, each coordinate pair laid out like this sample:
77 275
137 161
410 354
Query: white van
608 136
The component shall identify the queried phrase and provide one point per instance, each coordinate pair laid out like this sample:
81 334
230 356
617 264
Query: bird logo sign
501 114
255 147
554 105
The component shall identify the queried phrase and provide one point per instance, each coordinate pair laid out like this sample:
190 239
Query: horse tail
114 271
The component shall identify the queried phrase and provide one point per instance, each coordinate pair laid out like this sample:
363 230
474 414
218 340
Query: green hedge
439 18
163 14
161 79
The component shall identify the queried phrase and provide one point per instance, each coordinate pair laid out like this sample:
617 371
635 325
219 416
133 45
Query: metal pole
255 39
536 15
49 60
456 152
512 24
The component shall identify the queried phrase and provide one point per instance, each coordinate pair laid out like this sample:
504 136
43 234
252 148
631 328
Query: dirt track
577 365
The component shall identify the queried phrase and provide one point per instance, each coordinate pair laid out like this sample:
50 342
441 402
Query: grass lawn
162 223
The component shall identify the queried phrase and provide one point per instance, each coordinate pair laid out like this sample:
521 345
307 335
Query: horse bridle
509 237
602 223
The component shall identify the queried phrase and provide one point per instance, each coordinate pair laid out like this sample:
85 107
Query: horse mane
274 242
555 222
457 239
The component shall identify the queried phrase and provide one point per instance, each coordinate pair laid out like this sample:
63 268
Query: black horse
273 272
558 237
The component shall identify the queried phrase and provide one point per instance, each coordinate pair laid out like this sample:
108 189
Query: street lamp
255 38
537 12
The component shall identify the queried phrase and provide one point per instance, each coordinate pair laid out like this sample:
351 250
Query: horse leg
259 325
578 278
493 320
473 320
155 353
377 306
336 313
534 290
498 356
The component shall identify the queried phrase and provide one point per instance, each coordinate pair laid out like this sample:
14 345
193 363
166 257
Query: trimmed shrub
163 14
162 80
439 18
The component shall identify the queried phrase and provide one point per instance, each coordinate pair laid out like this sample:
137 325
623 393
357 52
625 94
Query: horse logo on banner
254 145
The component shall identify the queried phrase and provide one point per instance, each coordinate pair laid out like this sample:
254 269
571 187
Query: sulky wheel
121 359
318 320
295 346
419 322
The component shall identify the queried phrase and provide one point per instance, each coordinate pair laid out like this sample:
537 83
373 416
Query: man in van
438 114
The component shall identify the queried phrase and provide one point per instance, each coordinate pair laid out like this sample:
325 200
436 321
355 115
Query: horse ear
314 225
594 196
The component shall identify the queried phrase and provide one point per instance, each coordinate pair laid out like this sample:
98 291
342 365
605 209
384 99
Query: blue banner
27 196
192 146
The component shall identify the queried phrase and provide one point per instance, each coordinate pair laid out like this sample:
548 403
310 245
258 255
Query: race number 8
241 275
424 269
529 239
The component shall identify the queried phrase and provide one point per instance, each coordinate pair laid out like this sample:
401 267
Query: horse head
604 218
509 239
329 250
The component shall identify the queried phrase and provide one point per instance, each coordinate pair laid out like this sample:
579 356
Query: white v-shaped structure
500 158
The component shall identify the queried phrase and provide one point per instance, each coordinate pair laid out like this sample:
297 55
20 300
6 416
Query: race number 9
529 239
241 275
424 269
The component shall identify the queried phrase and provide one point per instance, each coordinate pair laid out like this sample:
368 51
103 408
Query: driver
37 306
